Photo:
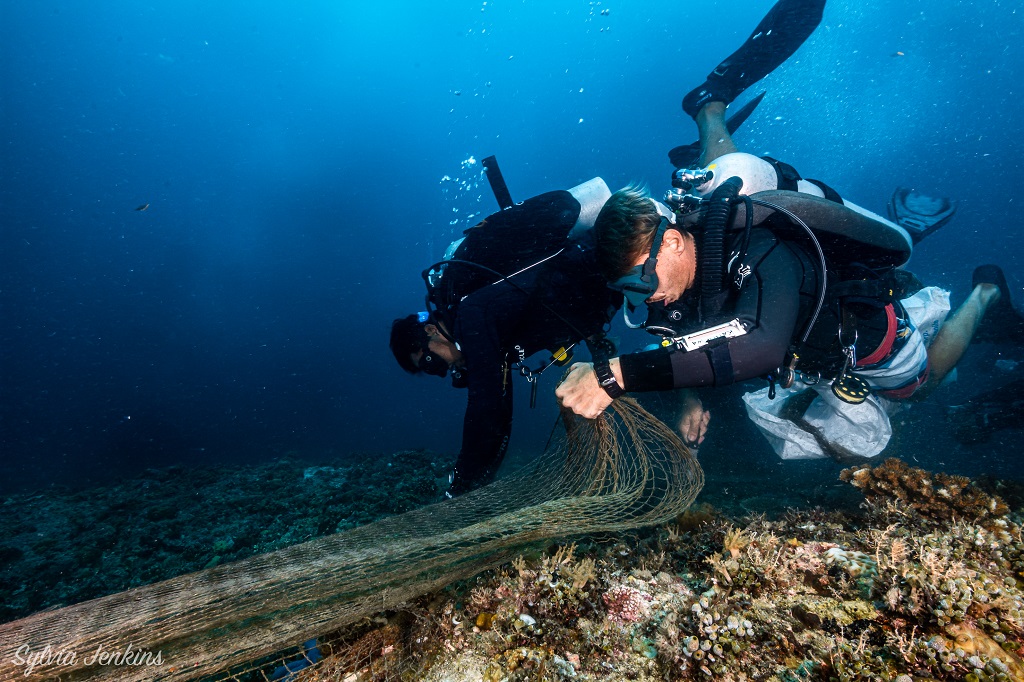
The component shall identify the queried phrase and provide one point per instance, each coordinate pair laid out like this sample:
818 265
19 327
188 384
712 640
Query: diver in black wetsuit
753 303
484 334
762 322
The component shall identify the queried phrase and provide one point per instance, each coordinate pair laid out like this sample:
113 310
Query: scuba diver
747 270
523 280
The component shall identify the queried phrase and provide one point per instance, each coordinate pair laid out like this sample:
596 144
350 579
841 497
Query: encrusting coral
937 496
924 586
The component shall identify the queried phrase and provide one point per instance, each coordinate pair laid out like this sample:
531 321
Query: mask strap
652 259
648 274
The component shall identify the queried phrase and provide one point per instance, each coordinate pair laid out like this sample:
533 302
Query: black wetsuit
774 307
544 308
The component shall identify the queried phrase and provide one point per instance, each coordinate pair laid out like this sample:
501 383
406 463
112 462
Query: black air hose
712 257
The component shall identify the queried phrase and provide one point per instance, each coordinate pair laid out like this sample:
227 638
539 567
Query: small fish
142 208
897 54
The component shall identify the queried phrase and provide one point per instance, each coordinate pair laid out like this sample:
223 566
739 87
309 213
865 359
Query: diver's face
676 267
440 348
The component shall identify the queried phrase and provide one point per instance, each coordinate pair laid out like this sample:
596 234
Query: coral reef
917 585
914 589
938 496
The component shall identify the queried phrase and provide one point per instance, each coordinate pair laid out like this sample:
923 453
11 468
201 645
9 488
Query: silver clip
851 351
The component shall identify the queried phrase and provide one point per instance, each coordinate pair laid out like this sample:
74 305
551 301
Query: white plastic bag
787 439
862 429
928 309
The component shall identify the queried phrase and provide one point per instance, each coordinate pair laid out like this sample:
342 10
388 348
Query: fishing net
237 621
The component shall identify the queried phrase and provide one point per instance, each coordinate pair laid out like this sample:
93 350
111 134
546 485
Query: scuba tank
592 195
841 223
758 175
513 240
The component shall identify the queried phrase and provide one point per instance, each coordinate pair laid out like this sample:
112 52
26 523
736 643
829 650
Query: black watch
606 379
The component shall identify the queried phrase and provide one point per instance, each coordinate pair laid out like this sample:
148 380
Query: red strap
883 350
909 389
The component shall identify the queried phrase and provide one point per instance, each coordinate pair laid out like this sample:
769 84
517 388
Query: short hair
625 229
406 338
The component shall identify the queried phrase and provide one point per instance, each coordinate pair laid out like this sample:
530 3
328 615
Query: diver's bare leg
715 139
955 335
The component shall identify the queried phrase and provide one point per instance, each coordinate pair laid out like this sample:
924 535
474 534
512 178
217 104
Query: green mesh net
624 470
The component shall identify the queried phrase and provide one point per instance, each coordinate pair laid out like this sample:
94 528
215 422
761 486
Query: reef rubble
60 546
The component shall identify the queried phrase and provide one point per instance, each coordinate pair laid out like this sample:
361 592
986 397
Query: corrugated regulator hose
712 257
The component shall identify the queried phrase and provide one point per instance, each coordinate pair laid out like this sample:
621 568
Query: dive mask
433 365
430 362
640 283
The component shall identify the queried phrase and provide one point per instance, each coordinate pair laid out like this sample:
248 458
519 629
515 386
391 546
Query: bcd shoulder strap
830 193
787 176
878 292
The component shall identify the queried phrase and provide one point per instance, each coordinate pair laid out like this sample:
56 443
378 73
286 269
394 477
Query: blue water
294 161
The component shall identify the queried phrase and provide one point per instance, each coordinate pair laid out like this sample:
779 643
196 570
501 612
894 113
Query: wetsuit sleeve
483 320
768 308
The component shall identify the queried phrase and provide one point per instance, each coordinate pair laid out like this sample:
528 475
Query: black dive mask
640 283
430 362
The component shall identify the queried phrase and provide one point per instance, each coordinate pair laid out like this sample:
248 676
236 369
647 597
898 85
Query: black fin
920 214
686 156
781 33
991 411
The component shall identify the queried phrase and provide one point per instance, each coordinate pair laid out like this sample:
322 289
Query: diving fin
919 214
687 155
1002 322
781 33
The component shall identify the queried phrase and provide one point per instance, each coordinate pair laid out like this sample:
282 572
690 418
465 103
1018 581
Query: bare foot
988 294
